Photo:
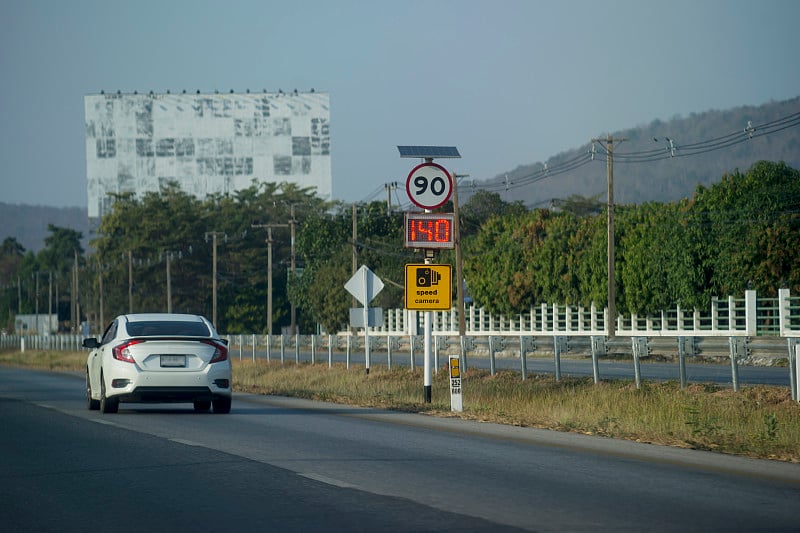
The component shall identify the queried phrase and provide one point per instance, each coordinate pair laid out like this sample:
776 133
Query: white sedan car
159 358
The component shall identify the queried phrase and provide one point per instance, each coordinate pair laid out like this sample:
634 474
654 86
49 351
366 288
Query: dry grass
58 361
757 421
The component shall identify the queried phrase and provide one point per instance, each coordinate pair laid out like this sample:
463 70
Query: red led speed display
429 230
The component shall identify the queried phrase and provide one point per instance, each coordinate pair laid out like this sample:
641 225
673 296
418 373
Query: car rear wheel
107 405
222 404
202 405
91 403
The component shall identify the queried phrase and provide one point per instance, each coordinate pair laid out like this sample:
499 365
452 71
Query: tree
742 231
494 267
11 254
326 246
482 206
652 269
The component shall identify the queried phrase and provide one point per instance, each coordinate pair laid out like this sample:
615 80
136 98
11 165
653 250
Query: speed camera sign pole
427 378
429 186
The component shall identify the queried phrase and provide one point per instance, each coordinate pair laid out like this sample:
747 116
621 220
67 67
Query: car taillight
220 352
121 352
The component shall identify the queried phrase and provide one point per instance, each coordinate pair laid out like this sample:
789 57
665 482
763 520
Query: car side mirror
90 342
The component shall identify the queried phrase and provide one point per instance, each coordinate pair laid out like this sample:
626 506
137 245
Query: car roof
163 317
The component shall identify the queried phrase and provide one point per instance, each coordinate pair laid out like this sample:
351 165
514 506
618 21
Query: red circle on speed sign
429 185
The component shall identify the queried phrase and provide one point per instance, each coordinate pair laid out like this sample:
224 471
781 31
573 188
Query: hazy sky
508 82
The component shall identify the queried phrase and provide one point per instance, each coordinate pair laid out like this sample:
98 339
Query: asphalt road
295 465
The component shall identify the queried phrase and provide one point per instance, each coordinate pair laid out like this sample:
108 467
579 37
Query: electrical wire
671 151
702 147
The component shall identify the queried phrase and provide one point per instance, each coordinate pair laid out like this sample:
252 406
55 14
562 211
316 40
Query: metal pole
612 311
130 281
797 372
102 313
36 306
637 371
77 301
214 280
427 381
169 285
291 302
596 358
491 356
269 280
793 347
367 292
734 351
557 357
50 303
462 326
682 360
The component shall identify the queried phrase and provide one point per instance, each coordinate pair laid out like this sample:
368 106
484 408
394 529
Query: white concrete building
207 143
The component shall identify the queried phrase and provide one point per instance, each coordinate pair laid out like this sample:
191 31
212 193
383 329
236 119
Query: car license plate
173 361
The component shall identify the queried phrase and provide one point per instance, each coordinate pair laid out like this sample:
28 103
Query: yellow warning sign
429 287
455 371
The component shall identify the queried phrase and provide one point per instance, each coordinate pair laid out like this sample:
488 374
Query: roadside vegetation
741 232
757 421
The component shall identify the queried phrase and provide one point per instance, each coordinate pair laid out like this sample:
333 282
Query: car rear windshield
158 329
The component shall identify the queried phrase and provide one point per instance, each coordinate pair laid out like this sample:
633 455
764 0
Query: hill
28 223
647 166
662 161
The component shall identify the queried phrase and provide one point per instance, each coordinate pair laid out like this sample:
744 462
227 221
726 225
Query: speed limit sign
429 185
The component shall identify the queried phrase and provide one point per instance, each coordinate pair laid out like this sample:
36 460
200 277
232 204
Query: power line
671 150
718 143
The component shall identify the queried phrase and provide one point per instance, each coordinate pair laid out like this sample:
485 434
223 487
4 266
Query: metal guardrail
402 349
60 342
743 330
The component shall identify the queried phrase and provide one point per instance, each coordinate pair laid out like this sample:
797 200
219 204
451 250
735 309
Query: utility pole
169 284
292 224
169 255
76 303
612 311
50 303
130 283
214 235
462 327
269 269
38 331
100 279
389 187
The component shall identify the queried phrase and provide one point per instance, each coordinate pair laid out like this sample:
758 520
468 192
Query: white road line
327 480
189 443
104 422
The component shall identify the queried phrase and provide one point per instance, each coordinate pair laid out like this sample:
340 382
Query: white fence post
783 311
797 373
750 313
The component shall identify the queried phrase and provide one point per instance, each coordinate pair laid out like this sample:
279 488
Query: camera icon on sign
427 277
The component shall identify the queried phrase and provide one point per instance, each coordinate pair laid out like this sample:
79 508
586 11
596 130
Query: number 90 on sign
429 185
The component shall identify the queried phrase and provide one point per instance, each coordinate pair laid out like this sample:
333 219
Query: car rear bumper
168 395
129 384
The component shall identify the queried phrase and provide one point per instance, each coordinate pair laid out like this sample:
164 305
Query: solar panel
429 151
